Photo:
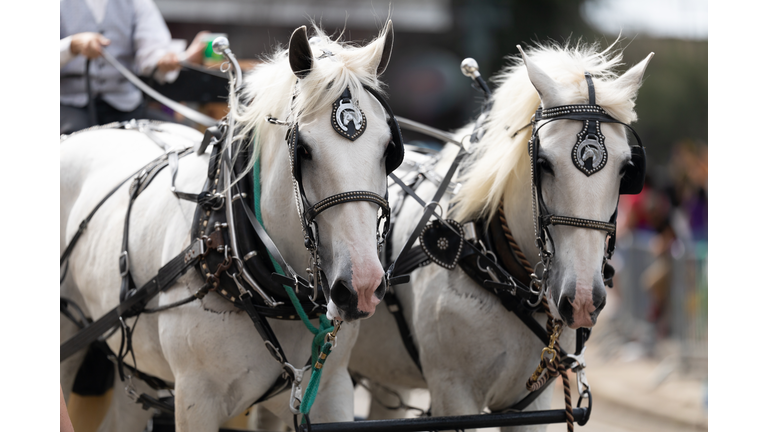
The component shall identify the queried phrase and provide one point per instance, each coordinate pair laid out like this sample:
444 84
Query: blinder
634 177
396 150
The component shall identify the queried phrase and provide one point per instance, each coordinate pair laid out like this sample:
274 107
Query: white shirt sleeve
152 40
66 54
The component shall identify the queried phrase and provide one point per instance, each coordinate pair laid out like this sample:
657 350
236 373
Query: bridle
308 213
591 115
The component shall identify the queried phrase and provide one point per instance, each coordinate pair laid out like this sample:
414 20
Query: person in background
133 32
64 421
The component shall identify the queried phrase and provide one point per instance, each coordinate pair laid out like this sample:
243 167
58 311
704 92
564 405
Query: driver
134 32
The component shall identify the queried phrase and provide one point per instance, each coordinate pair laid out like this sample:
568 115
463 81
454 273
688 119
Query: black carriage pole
450 422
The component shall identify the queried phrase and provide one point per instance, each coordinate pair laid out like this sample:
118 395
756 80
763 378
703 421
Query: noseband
589 155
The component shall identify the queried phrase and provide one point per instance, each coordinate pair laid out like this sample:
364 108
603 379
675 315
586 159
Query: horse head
340 143
589 192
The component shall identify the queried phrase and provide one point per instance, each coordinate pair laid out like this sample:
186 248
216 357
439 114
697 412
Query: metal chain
552 365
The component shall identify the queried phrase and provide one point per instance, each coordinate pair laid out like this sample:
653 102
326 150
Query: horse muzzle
579 306
360 303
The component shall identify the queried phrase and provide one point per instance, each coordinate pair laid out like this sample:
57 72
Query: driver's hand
168 62
88 44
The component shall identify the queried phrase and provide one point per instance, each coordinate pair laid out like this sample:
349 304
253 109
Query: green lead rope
320 347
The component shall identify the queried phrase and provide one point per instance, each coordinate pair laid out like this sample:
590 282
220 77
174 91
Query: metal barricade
666 297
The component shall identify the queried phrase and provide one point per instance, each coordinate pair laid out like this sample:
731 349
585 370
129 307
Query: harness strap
84 223
272 249
140 183
265 330
429 210
167 275
127 284
396 309
590 88
407 189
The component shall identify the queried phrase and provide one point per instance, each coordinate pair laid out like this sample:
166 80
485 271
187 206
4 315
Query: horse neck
519 212
278 208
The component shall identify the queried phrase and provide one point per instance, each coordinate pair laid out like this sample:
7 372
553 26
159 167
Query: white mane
502 155
271 85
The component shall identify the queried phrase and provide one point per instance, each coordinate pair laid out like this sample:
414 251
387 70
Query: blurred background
648 355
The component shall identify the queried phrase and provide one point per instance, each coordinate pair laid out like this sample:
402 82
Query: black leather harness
255 284
485 255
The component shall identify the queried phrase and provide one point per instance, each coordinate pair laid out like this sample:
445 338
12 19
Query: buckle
294 403
578 366
274 352
125 264
130 389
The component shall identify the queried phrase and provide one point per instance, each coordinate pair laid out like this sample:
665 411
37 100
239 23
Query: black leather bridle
632 182
309 212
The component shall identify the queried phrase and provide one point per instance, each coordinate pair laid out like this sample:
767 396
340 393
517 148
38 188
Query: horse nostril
382 289
341 293
566 309
600 306
599 299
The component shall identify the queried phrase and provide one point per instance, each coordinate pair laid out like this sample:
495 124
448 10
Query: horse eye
625 168
304 152
389 148
545 166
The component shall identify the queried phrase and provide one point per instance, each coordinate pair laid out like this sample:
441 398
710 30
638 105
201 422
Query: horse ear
389 39
299 53
632 78
545 86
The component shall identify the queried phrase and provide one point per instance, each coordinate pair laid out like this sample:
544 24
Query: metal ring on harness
488 270
437 205
220 198
127 266
539 282
585 419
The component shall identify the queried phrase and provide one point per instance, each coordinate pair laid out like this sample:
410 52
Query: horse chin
333 312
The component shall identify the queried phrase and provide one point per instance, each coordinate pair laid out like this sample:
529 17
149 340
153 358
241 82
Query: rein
187 112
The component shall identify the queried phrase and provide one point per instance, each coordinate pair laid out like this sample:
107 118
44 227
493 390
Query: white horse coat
475 354
209 349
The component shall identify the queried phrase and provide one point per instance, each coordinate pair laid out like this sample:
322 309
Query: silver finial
220 45
469 67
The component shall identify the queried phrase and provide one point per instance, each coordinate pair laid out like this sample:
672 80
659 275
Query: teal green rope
318 342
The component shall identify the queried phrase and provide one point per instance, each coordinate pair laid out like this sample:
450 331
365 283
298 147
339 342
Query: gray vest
118 26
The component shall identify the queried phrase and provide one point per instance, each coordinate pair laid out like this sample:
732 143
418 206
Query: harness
233 252
491 257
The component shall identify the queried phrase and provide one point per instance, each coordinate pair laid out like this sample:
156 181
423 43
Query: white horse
476 354
209 349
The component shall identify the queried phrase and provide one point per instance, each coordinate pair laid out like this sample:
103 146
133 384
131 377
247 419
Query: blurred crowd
669 219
